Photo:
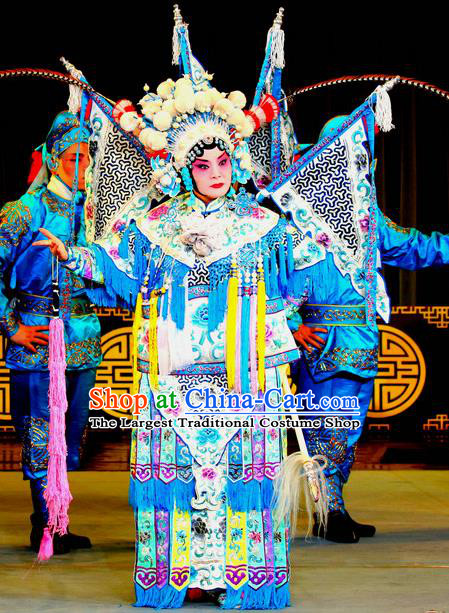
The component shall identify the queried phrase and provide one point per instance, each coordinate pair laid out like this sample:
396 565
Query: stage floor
405 568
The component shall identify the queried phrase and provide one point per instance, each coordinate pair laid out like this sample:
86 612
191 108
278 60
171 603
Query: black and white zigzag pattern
121 173
199 274
185 381
259 145
325 185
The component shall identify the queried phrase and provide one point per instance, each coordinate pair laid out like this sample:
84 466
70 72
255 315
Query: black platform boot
339 529
363 530
75 541
38 524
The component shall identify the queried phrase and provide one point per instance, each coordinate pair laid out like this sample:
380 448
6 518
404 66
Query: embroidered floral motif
41 305
323 239
394 226
78 354
354 315
199 527
208 435
362 359
9 323
364 223
57 205
15 219
203 236
35 440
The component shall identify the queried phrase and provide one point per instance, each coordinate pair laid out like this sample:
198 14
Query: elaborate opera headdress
64 132
184 115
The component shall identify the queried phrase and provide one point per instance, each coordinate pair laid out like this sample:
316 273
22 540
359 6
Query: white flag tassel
75 92
384 116
300 484
176 47
275 39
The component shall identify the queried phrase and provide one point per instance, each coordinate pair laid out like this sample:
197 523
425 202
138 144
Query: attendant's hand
55 245
306 336
27 335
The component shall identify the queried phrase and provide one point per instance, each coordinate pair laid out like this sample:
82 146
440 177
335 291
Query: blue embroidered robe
25 282
202 496
347 363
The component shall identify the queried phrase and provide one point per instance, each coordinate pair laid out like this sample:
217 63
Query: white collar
59 188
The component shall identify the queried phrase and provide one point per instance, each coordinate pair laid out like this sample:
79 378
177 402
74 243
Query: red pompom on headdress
36 165
264 112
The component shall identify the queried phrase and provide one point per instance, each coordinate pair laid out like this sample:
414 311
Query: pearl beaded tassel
135 332
253 334
245 329
231 321
261 315
238 338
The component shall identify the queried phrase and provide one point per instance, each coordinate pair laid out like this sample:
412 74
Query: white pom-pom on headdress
150 107
129 121
185 102
183 85
246 128
165 89
75 92
152 139
238 98
214 95
237 117
162 120
201 101
223 107
169 107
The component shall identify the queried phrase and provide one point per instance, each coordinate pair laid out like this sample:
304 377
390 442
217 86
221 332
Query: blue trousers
30 415
336 444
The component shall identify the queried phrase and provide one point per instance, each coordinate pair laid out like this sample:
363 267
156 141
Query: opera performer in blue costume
340 357
212 276
26 308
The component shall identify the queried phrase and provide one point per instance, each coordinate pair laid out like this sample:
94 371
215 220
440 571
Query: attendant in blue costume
26 308
340 357
213 278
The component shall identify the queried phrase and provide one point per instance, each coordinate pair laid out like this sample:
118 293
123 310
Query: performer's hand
306 336
55 245
27 335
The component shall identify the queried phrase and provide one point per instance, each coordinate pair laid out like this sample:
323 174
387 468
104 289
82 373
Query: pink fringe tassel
46 547
253 341
238 381
57 493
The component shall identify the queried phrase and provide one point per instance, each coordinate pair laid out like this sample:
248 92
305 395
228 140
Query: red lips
217 185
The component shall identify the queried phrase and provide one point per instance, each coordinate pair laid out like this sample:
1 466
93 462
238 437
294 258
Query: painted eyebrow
208 161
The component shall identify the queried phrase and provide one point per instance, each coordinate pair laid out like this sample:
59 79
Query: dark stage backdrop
120 49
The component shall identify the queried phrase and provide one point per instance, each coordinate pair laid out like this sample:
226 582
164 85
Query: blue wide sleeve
408 248
15 236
